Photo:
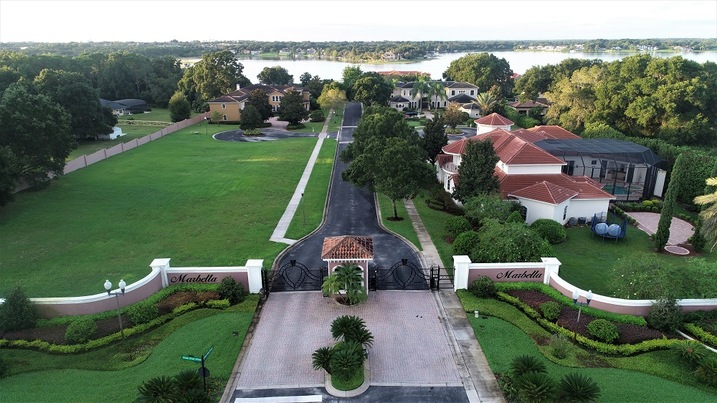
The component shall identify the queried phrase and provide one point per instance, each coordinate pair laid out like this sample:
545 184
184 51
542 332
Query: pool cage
628 171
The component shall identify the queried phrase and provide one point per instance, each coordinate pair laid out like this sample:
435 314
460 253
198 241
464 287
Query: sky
339 20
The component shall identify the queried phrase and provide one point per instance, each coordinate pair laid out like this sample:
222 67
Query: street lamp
206 123
576 296
108 287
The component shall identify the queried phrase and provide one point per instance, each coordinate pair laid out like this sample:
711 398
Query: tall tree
709 213
276 75
292 108
573 99
454 115
677 178
419 89
74 93
37 133
332 97
216 74
350 75
437 90
179 107
483 70
475 173
434 138
260 101
372 89
485 102
304 78
250 118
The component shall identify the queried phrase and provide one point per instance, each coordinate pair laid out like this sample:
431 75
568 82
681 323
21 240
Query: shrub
483 287
603 330
317 116
515 217
232 290
321 359
536 387
550 310
142 312
218 303
455 226
351 328
346 359
560 346
576 387
551 231
523 364
17 312
465 242
509 242
692 351
80 331
707 371
665 315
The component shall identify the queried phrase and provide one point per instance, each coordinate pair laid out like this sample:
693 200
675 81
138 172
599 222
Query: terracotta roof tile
586 189
546 192
347 247
554 132
494 119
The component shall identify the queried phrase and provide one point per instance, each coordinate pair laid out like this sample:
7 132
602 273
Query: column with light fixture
108 287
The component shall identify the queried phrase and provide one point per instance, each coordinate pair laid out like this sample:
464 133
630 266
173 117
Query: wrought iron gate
294 276
403 275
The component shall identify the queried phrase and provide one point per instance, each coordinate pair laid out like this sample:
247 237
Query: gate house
340 250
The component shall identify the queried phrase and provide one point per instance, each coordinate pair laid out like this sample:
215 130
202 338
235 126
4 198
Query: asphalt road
350 211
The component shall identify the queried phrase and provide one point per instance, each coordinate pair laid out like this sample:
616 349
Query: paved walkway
279 234
680 230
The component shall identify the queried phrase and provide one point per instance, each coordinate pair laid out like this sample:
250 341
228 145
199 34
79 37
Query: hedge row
556 295
701 335
44 346
604 348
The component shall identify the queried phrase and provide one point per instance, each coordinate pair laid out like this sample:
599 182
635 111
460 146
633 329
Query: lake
519 62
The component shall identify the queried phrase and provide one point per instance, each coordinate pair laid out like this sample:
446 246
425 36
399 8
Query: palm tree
709 214
420 87
576 388
536 387
346 359
187 381
321 358
526 363
160 389
348 278
486 102
351 328
436 89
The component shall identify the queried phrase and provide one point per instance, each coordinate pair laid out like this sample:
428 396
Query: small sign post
203 371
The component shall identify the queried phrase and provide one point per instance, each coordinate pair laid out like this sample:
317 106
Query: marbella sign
186 278
512 274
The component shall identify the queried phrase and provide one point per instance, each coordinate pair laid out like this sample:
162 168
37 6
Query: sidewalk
478 379
279 234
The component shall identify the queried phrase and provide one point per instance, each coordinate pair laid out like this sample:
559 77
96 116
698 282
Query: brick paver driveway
410 344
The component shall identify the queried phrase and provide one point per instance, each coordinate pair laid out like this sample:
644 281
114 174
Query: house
342 250
229 106
125 106
454 91
524 107
556 174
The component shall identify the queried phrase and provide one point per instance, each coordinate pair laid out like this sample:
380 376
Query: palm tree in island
438 90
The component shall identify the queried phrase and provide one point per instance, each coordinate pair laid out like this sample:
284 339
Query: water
519 62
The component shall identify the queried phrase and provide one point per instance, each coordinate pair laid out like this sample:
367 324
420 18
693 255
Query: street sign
208 352
190 358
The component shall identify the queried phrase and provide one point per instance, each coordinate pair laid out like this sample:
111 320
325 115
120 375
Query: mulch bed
106 327
568 319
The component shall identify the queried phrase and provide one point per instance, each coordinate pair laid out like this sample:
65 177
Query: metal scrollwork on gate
295 276
403 275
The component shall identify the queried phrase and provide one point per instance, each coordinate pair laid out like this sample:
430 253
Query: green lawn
131 132
403 227
657 376
156 114
434 221
114 373
587 260
187 197
314 199
315 127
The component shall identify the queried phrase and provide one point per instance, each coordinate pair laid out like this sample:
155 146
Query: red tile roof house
536 178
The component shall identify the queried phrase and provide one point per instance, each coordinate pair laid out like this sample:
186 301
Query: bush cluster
142 312
17 312
552 231
232 290
550 310
80 331
465 242
457 225
439 199
603 330
317 116
529 380
483 287
665 315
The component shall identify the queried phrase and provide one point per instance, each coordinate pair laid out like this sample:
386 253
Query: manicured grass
588 261
404 227
315 127
115 372
156 114
434 221
131 132
658 376
351 383
187 197
314 199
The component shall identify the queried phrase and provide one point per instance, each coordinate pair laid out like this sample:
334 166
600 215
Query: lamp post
303 208
576 296
108 287
206 123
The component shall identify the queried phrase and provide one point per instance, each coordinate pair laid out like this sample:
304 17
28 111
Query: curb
350 393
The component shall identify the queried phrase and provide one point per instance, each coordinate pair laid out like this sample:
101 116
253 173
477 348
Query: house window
570 168
453 92
593 162
224 117
275 98
224 106
523 212
472 92
565 212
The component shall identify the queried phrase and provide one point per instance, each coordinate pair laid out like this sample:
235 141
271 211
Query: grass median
187 197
